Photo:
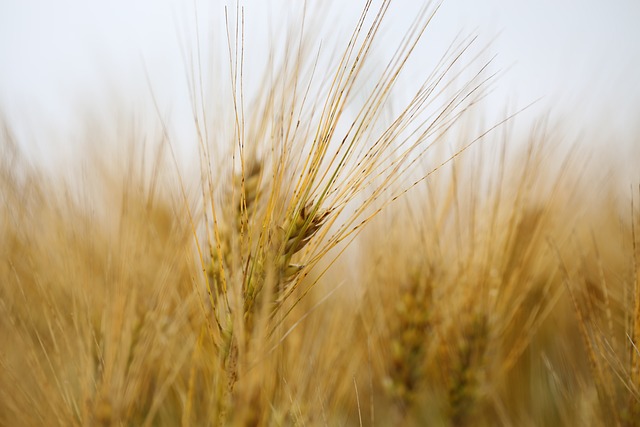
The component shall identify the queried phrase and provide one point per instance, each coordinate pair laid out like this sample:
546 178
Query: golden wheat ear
248 183
300 229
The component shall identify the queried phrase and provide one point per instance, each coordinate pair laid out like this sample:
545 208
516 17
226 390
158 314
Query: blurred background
580 59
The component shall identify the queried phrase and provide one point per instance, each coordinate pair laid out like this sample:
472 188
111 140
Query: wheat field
333 254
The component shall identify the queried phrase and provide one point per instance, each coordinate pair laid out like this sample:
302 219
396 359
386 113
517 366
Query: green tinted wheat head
467 366
410 341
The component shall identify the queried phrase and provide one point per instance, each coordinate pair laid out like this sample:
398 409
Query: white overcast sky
581 56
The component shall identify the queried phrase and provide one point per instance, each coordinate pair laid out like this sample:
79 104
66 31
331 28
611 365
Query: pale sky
56 58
